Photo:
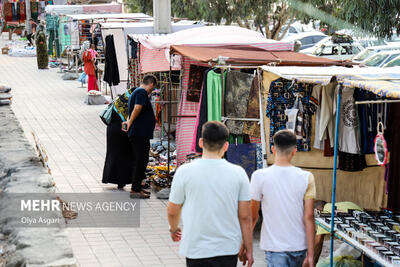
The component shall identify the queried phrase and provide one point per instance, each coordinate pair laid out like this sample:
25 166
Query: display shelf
351 241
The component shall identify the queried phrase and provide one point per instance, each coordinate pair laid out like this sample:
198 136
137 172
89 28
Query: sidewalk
74 137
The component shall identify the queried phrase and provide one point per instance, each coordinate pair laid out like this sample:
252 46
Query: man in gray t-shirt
214 198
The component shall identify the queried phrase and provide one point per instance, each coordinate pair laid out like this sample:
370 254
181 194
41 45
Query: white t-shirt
282 191
210 190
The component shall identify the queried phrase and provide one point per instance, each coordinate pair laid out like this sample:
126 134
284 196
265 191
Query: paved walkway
74 138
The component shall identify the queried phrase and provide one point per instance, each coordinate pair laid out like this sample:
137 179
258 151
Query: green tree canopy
271 17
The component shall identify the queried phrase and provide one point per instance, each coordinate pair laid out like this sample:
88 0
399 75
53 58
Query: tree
273 17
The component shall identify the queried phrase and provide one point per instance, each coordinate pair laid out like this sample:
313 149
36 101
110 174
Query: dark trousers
140 148
220 261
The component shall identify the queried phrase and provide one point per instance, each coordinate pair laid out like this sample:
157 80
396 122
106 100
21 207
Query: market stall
120 32
355 110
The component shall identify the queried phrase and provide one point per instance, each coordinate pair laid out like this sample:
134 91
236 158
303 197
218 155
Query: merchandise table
354 243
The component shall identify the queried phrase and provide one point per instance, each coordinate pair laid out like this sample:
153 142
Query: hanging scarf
22 16
8 11
121 104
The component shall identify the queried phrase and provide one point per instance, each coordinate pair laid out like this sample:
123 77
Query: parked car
307 39
295 28
393 63
339 51
380 59
370 51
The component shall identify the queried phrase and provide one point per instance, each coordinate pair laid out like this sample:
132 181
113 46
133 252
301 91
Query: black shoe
121 186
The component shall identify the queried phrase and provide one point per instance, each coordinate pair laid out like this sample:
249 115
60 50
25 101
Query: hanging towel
214 95
111 73
243 155
253 110
237 93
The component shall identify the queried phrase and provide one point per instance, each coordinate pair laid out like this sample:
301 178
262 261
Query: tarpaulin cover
245 54
213 35
83 9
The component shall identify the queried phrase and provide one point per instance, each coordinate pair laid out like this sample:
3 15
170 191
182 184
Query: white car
338 51
307 39
380 59
393 63
370 51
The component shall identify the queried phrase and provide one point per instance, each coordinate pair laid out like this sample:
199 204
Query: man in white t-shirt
286 194
214 198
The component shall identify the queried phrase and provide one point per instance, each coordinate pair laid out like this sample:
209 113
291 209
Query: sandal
139 195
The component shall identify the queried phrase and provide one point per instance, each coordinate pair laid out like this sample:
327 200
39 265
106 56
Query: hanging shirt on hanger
349 126
281 97
370 115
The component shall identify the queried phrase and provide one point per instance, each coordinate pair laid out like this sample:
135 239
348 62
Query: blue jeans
285 259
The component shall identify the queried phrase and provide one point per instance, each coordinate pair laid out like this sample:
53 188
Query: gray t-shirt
210 190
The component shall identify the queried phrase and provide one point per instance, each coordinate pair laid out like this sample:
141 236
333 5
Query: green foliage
271 16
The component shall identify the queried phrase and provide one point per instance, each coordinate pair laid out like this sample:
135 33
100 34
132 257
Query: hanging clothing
119 156
22 15
15 14
243 155
8 11
196 77
111 73
349 126
237 91
41 50
214 95
259 157
281 97
351 162
253 110
369 115
35 10
393 140
201 115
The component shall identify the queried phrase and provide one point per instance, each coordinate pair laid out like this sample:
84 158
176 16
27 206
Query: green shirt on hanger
214 95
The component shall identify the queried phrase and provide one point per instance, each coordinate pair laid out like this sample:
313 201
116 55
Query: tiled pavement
74 138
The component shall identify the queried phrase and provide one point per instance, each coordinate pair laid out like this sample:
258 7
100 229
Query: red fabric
88 64
22 16
8 11
92 83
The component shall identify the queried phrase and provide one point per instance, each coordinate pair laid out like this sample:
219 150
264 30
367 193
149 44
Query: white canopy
111 16
83 9
207 35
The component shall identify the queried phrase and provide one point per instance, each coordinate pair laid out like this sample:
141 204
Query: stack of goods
377 231
158 154
5 96
157 176
157 170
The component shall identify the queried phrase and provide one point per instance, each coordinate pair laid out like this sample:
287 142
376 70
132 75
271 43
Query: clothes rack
376 102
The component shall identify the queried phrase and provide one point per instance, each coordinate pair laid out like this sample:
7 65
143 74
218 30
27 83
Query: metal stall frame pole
339 99
261 110
222 92
169 88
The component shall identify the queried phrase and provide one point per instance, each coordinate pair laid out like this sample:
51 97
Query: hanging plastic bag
380 146
342 261
291 115
82 77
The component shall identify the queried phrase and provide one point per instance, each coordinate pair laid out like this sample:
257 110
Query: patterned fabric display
282 96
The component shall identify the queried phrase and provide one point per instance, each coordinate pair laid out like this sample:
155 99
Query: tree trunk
287 29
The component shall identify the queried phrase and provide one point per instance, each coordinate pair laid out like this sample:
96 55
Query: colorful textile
88 64
34 10
282 96
243 155
196 77
214 95
92 83
22 15
121 104
252 128
8 11
259 157
237 91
